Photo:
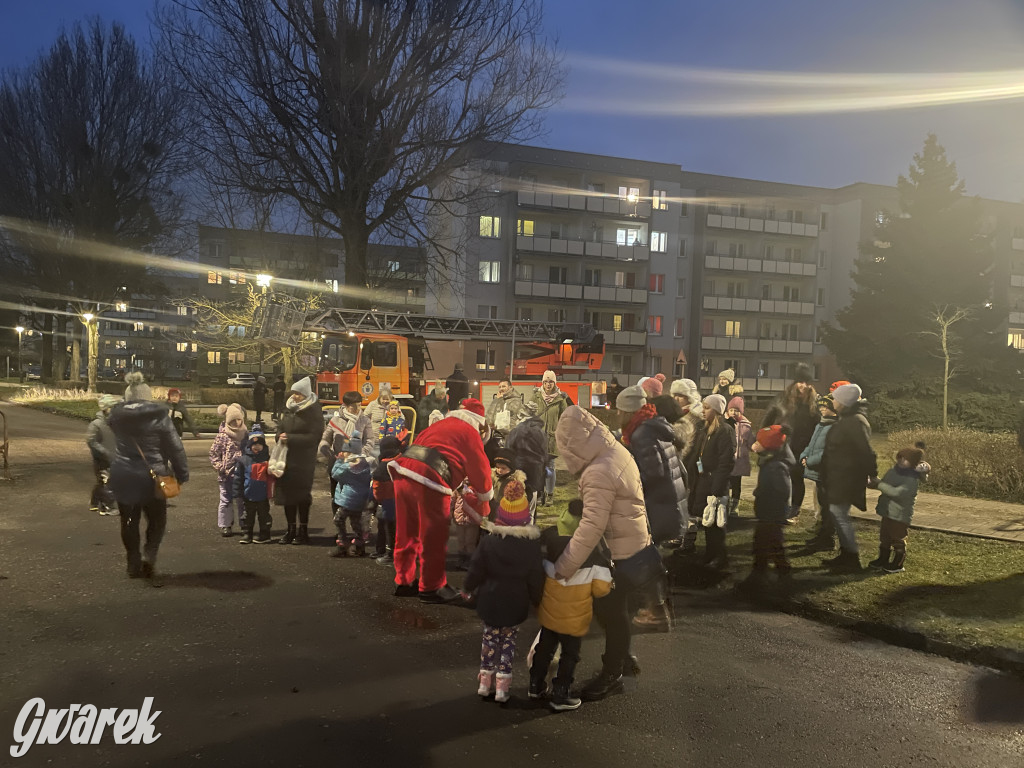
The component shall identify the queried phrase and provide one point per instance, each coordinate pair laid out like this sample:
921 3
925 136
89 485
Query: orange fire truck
363 348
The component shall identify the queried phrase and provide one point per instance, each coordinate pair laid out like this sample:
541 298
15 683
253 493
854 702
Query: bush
969 410
968 462
218 395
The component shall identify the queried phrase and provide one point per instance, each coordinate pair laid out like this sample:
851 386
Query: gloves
722 516
716 513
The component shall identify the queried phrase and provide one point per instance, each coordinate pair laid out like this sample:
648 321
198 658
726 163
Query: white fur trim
515 531
473 419
417 477
486 496
582 576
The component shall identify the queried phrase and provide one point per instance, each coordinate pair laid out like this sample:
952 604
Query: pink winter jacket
609 486
223 453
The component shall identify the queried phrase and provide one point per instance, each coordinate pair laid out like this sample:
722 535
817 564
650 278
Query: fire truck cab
360 362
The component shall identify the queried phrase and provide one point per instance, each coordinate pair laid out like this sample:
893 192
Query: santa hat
474 405
737 403
514 509
716 403
652 387
772 438
470 417
837 384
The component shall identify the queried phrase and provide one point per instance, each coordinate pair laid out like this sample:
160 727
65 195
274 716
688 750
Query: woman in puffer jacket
716 455
145 443
613 510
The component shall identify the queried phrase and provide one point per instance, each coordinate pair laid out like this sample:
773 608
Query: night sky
687 83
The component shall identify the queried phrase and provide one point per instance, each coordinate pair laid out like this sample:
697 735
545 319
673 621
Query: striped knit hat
514 509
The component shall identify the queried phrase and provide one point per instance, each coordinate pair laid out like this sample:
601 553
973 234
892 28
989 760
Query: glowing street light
21 372
263 281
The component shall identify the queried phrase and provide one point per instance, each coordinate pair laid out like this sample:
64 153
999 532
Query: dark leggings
155 511
734 486
301 510
385 536
545 652
612 613
797 476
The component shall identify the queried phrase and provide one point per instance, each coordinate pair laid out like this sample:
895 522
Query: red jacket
460 445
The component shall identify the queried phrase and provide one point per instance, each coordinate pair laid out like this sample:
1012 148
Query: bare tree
943 319
92 141
359 109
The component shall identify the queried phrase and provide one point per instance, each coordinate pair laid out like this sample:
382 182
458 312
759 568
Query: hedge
971 410
968 462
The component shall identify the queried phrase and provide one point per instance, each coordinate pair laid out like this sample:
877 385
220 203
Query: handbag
164 486
278 459
640 569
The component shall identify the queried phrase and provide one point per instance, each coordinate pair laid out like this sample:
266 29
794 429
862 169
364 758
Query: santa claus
441 459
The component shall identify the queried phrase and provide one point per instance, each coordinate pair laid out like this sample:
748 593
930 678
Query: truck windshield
338 355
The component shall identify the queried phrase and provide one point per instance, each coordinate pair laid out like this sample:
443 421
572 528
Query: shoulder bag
164 486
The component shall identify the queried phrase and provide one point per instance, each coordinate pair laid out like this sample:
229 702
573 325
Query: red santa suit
423 495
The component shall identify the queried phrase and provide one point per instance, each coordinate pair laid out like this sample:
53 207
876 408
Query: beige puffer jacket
609 485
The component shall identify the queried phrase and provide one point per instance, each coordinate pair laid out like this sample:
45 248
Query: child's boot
356 548
340 548
884 555
246 536
898 559
562 700
734 506
289 537
302 535
388 558
502 687
485 682
264 536
538 685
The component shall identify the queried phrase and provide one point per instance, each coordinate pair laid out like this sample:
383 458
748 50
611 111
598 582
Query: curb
1005 659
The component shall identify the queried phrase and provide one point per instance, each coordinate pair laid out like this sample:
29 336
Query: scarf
648 411
549 399
298 405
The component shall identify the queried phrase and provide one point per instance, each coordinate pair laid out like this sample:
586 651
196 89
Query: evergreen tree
930 254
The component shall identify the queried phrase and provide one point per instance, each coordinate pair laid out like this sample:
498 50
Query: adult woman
613 510
797 408
715 455
145 443
300 429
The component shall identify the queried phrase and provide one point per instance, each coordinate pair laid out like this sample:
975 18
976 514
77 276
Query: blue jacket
353 489
143 426
815 450
774 485
898 491
251 479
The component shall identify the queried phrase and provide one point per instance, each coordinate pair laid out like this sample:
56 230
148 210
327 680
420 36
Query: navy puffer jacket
147 425
508 573
662 476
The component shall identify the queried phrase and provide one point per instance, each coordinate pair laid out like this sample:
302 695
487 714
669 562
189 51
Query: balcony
1016 319
588 248
625 338
751 344
765 266
591 203
764 306
609 293
765 385
771 226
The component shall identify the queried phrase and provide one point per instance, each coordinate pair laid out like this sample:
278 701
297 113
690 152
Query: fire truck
363 348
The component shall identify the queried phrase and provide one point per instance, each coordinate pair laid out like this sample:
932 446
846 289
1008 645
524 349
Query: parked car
241 380
35 372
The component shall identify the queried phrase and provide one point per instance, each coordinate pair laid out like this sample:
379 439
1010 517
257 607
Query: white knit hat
303 387
715 403
847 395
137 388
728 374
631 399
549 375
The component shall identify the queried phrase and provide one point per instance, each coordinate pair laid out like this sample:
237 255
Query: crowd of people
672 468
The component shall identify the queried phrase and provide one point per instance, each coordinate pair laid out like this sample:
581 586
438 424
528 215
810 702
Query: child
501 473
896 506
566 610
467 531
507 574
179 413
383 490
393 423
226 448
348 421
771 502
352 471
744 439
253 486
100 440
811 457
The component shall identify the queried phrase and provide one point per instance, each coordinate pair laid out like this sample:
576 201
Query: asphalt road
281 656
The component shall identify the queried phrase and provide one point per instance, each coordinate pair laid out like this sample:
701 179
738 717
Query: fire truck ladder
449 328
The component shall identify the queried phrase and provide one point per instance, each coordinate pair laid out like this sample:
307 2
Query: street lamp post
21 371
263 281
92 331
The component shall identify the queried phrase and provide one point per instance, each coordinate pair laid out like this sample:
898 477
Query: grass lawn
205 421
956 589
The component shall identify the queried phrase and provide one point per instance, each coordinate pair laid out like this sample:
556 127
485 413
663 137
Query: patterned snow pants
498 649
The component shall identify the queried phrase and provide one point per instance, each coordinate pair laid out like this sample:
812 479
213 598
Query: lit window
732 328
139 326
629 193
658 198
659 242
183 311
120 344
182 346
214 278
490 271
195 347
627 236
213 357
393 266
525 228
121 307
490 226
657 284
654 325
616 322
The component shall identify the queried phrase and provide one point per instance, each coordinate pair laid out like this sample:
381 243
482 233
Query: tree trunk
60 350
76 355
356 276
46 350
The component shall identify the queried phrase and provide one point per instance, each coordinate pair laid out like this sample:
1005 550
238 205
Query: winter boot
882 561
898 559
656 619
289 537
263 537
340 550
485 680
388 558
356 548
246 537
502 687
734 507
607 682
845 562
538 686
562 700
302 535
